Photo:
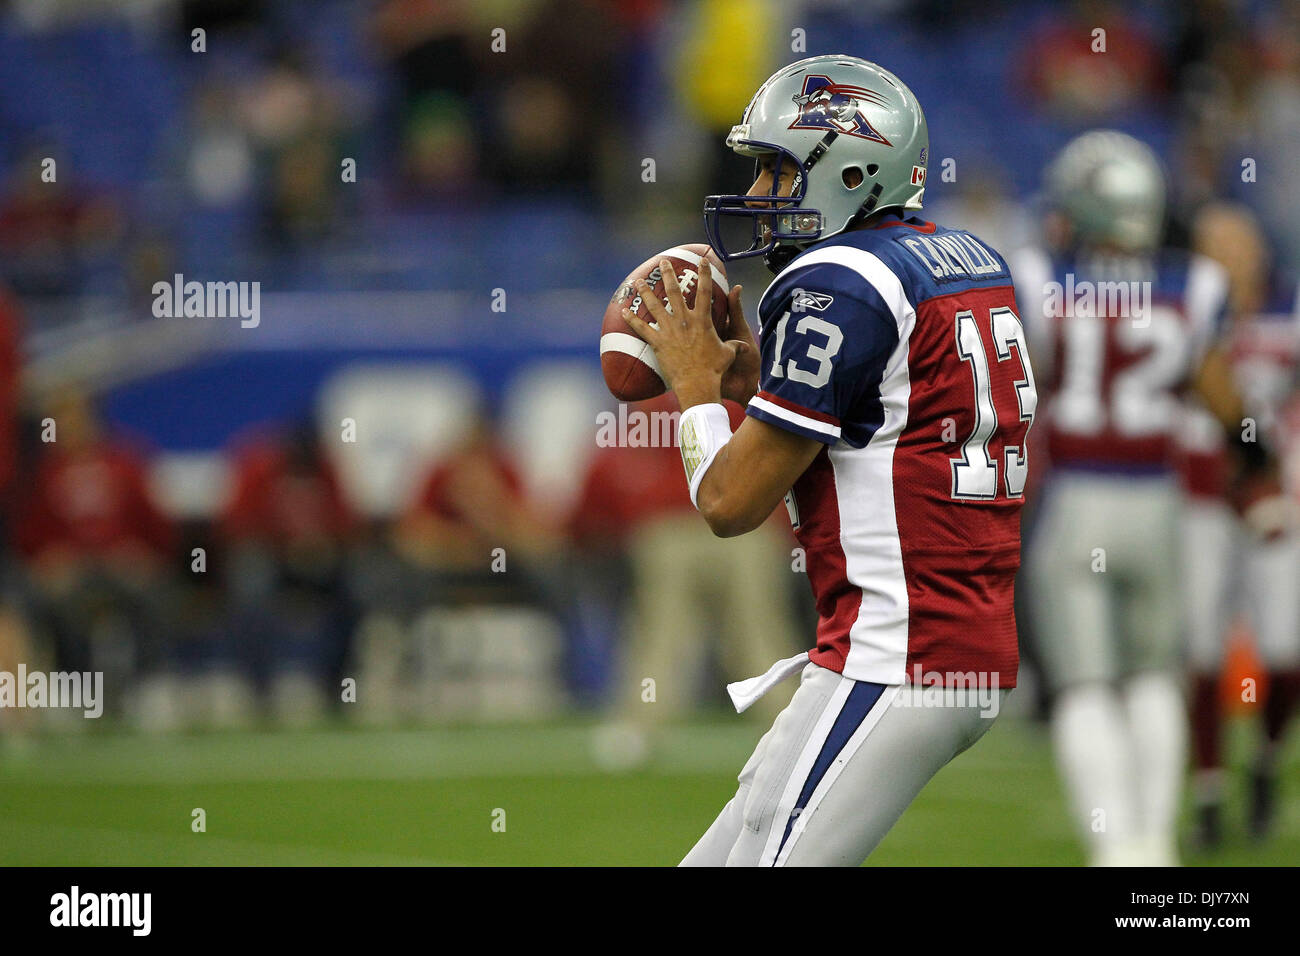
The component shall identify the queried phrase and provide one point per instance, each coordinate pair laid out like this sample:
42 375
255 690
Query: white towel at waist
745 692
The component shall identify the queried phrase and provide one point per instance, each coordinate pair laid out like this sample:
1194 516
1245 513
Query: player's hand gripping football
740 381
695 363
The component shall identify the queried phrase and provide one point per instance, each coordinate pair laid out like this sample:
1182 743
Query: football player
1251 566
1120 329
889 398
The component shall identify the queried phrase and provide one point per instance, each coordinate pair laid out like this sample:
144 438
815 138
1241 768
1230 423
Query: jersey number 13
975 473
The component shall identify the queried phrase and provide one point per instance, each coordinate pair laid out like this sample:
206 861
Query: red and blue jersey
1116 344
901 350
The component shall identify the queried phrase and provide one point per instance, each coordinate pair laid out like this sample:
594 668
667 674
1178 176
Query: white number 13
975 473
821 354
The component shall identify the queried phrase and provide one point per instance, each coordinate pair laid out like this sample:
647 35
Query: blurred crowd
291 591
451 109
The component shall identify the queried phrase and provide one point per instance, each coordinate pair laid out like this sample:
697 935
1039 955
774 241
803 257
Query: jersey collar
912 222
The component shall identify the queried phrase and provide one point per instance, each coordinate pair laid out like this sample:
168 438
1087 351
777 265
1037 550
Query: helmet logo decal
824 104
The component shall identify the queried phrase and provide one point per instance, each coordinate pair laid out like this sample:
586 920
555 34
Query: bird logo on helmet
825 104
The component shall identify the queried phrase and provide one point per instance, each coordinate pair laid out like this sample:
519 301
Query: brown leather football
627 362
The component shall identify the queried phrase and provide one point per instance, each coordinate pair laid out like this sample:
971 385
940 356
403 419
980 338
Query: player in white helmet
1120 329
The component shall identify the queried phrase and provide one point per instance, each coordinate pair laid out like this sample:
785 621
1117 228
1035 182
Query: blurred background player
1235 566
98 546
287 529
15 639
731 603
1118 327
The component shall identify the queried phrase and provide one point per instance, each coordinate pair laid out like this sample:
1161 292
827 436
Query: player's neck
873 220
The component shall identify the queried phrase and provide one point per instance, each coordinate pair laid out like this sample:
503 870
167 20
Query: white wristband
701 432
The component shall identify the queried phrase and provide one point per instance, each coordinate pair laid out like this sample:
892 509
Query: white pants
1102 569
1225 571
838 768
1272 591
1210 575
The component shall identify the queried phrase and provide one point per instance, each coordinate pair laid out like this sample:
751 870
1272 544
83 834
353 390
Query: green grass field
351 796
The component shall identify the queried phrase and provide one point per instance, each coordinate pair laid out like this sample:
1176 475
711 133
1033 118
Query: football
627 362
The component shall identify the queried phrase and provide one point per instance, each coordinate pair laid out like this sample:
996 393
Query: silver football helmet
1111 188
835 120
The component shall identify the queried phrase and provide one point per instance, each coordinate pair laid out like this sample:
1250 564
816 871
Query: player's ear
852 177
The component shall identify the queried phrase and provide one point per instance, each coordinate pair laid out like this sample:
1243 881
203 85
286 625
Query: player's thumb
737 327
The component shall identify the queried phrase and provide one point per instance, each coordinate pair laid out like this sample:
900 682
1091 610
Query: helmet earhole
852 177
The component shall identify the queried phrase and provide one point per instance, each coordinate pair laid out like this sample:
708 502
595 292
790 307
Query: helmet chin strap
869 204
779 257
819 150
781 254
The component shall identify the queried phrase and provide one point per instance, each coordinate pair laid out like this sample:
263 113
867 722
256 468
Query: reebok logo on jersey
802 300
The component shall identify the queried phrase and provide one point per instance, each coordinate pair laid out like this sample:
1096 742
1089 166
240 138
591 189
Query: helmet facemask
769 224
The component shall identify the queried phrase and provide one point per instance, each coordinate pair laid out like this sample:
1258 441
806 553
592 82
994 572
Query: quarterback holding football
889 398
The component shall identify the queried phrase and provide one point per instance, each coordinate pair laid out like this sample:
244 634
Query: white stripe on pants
892 753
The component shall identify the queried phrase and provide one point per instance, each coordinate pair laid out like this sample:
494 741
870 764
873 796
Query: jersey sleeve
825 342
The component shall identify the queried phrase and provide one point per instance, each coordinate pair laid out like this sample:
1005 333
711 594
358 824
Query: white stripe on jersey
1207 288
803 421
864 488
866 264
